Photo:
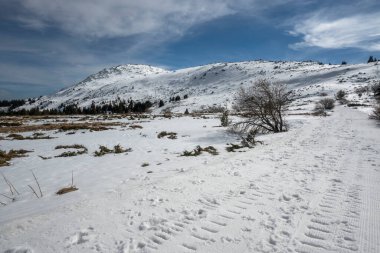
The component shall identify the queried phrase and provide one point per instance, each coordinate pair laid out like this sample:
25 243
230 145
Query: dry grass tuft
103 150
234 147
63 127
5 157
135 127
80 150
65 190
199 150
35 136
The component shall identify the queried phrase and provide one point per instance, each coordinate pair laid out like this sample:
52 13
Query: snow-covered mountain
207 85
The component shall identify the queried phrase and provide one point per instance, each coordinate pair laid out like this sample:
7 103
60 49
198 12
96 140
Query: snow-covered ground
311 189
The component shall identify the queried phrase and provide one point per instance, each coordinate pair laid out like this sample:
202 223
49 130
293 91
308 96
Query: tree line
118 106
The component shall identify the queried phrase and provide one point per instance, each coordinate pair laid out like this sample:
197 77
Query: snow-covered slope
208 85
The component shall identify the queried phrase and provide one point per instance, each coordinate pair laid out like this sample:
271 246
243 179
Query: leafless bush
362 90
376 90
319 110
376 113
264 105
322 105
340 95
224 120
328 103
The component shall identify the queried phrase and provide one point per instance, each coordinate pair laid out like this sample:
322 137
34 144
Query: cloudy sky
46 45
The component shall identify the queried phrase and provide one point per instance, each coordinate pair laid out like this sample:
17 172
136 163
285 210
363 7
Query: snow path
313 189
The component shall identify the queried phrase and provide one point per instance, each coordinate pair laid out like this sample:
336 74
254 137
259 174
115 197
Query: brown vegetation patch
135 127
5 157
80 150
199 150
103 150
92 126
170 135
35 136
67 190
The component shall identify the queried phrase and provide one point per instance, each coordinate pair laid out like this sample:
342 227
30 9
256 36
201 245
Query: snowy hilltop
208 85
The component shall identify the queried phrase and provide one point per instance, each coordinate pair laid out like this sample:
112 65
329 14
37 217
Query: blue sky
47 45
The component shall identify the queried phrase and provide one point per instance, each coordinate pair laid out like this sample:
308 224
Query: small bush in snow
224 121
250 139
319 110
376 90
328 103
145 165
376 113
323 105
340 95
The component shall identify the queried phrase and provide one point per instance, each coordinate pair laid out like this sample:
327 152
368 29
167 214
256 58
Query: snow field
312 189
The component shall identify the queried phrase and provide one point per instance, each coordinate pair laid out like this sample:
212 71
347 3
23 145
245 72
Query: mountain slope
207 85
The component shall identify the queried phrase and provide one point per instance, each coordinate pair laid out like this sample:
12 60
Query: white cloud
121 18
115 18
347 31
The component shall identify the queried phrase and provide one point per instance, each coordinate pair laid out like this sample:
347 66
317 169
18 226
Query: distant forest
118 106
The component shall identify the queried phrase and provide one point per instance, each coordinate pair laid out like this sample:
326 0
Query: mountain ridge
206 85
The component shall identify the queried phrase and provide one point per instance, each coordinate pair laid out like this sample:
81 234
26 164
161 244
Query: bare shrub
362 90
376 90
322 105
328 103
224 120
263 105
376 113
340 95
319 110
